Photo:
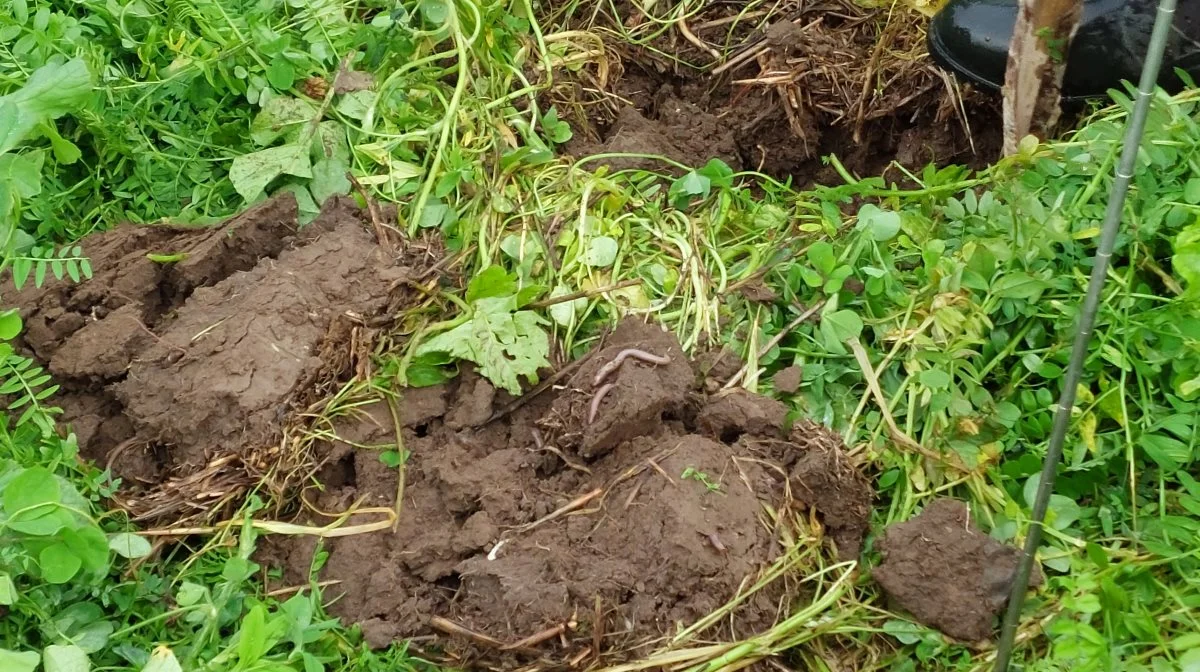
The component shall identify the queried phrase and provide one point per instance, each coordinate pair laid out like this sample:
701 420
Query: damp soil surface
946 573
773 91
541 535
166 366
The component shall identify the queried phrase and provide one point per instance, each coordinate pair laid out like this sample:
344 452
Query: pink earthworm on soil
608 369
596 399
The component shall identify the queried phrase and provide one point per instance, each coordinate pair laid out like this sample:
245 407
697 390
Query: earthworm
596 399
608 369
716 542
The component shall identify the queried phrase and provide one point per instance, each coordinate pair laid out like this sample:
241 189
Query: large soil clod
170 362
947 573
541 535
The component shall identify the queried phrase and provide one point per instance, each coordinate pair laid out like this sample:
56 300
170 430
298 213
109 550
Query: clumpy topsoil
598 515
946 573
168 365
608 533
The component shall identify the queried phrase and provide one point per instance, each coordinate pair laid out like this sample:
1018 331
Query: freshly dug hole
541 536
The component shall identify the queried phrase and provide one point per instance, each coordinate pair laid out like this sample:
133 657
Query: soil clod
946 573
167 367
539 535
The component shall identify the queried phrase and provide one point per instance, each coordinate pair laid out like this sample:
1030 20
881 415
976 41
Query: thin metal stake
1112 219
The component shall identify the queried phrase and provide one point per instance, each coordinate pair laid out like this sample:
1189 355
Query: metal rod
1112 219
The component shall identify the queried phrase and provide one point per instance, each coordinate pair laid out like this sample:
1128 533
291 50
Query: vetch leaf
10 324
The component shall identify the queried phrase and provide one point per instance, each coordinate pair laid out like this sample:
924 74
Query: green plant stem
1087 318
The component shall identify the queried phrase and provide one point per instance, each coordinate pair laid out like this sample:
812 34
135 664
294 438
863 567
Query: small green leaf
883 225
33 487
491 282
820 255
601 252
10 324
22 172
129 545
329 178
435 11
251 173
842 325
19 661
162 660
8 591
935 379
58 563
65 658
252 640
281 74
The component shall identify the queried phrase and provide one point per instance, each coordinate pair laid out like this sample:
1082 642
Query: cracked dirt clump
946 573
618 531
165 366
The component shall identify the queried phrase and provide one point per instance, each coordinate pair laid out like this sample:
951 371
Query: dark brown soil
167 366
615 532
809 81
946 573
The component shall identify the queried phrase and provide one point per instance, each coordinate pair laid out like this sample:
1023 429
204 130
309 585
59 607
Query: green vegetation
931 320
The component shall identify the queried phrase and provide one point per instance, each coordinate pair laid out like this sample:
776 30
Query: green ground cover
945 312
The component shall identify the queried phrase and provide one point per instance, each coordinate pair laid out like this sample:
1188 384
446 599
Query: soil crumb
947 573
609 533
166 367
788 379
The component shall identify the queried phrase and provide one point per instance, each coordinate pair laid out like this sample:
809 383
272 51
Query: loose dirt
946 573
775 91
166 367
609 533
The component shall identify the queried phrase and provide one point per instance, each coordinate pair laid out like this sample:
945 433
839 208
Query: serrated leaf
491 282
251 173
505 345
